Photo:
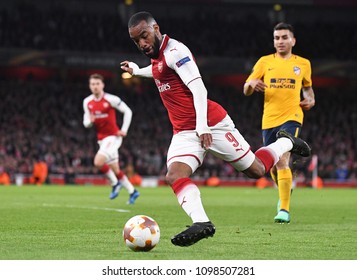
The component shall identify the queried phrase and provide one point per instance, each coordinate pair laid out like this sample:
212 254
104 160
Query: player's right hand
258 85
125 66
206 140
92 118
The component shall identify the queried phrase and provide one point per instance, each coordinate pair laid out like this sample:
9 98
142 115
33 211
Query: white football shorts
109 147
228 144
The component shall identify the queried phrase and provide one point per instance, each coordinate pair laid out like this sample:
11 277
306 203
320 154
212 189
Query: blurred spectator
39 172
4 177
69 176
342 172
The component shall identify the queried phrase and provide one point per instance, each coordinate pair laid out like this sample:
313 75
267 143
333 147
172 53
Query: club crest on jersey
105 105
182 61
297 70
160 66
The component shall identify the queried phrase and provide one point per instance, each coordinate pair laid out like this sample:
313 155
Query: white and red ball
141 233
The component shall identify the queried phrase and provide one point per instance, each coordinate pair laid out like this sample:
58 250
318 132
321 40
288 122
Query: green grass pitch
81 223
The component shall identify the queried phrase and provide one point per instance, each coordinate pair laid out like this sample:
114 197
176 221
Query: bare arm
309 98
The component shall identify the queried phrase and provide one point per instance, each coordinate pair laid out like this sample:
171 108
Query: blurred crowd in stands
205 31
43 120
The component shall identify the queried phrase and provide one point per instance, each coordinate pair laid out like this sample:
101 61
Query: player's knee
99 160
282 164
170 178
177 170
97 164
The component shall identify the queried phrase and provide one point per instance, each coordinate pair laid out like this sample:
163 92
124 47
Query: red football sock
104 169
267 158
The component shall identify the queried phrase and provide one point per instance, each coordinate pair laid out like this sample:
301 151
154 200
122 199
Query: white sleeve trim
143 72
180 59
127 116
86 117
199 93
121 106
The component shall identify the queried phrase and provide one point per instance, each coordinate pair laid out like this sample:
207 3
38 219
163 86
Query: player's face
283 41
147 38
96 86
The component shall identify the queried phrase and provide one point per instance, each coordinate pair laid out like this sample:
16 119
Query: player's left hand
307 103
206 140
121 133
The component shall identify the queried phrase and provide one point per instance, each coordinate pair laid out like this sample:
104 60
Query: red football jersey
172 71
105 115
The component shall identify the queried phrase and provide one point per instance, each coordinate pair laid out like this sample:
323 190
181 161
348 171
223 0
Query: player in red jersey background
199 125
100 110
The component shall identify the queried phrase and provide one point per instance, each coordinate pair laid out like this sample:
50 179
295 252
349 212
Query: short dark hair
284 26
140 16
96 76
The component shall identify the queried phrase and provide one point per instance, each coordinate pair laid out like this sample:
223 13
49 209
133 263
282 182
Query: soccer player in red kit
200 126
100 110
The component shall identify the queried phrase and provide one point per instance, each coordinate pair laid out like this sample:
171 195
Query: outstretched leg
189 197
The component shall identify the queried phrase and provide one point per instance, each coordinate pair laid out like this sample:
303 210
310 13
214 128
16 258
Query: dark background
49 48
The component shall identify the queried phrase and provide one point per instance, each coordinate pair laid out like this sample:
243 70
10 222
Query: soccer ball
141 233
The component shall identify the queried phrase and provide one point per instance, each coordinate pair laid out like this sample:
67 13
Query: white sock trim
126 184
111 176
190 200
280 146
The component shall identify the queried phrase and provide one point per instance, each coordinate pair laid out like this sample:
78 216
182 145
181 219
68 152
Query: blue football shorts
269 135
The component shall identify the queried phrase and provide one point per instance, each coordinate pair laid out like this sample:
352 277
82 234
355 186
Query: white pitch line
84 207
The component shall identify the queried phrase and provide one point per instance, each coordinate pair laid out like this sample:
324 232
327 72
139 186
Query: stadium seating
45 118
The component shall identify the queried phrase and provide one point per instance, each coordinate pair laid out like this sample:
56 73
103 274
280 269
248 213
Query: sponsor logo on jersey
297 70
282 83
162 87
182 61
101 116
160 66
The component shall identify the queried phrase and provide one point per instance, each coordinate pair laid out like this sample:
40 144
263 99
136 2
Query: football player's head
284 39
96 84
145 33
